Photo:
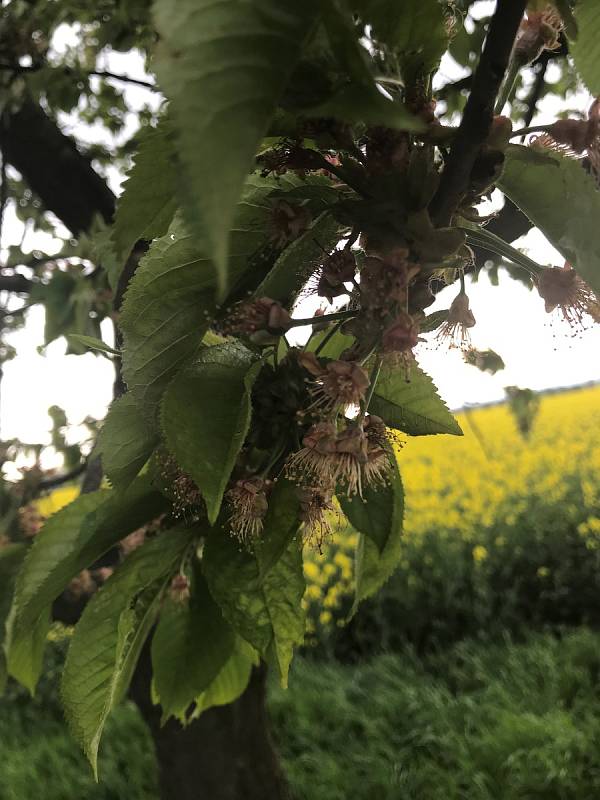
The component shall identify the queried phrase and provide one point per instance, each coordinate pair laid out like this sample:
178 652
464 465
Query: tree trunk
226 754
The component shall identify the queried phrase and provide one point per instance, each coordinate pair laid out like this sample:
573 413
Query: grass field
480 721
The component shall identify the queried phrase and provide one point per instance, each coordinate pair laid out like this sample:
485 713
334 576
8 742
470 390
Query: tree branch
54 169
57 480
479 110
15 283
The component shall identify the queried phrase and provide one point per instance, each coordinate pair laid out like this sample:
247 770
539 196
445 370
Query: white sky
539 350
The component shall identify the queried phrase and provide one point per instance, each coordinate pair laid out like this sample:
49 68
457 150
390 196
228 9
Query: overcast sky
539 350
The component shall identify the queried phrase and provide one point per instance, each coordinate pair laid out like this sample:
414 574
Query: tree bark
226 754
54 169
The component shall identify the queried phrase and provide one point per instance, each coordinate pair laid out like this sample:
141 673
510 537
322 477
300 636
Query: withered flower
345 458
539 31
338 384
316 510
255 316
179 590
247 500
287 222
562 288
378 465
402 335
338 268
460 318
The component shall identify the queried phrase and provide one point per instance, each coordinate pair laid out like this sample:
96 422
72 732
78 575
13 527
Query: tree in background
302 148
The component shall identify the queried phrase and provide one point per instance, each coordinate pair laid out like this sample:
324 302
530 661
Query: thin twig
124 79
479 111
19 69
65 477
538 87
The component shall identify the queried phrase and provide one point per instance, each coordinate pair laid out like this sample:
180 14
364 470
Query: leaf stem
336 315
530 129
373 377
489 241
509 82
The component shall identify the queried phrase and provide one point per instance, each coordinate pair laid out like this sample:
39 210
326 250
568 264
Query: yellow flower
543 572
480 553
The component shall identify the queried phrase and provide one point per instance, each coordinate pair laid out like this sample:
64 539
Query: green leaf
171 298
110 634
562 200
190 647
299 260
586 50
379 513
125 442
74 538
206 415
413 405
223 65
25 650
148 202
260 593
91 343
11 558
231 681
433 321
373 566
414 29
335 344
366 104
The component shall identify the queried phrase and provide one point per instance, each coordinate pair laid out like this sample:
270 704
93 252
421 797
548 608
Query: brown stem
479 110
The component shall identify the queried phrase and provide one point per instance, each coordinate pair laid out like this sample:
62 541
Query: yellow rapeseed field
458 487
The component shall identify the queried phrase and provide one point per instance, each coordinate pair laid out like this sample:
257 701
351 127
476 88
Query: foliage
297 151
514 545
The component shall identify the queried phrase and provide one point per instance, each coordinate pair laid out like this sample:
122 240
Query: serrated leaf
25 650
206 415
125 442
299 260
91 343
373 567
231 681
110 634
171 298
586 49
11 558
412 406
75 537
414 29
380 511
190 647
223 65
148 202
260 593
562 200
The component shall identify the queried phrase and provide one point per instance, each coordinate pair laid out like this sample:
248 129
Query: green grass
479 721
